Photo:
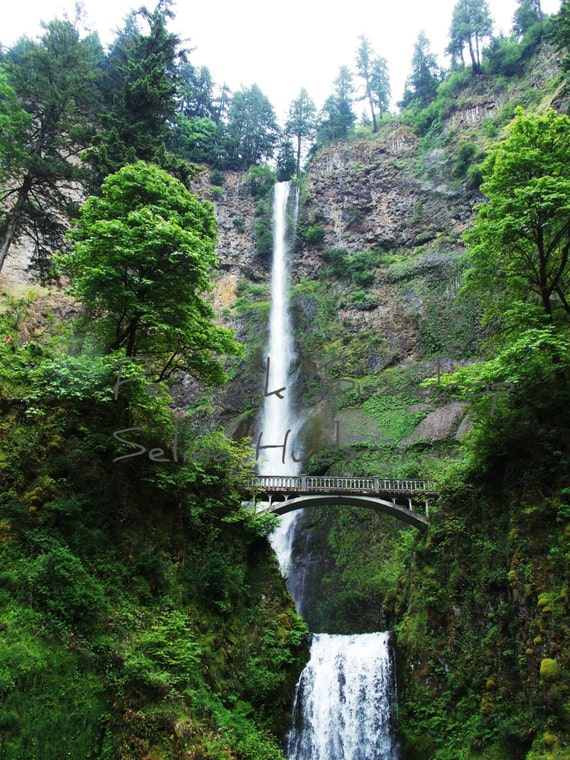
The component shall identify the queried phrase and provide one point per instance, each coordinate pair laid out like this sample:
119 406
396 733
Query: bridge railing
333 484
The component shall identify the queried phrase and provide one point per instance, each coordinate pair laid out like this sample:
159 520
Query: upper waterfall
278 414
278 421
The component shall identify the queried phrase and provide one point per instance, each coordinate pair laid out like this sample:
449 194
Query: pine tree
301 123
141 87
337 116
54 82
364 56
470 25
528 13
380 84
422 84
252 130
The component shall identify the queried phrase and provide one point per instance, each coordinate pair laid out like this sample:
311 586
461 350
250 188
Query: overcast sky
281 47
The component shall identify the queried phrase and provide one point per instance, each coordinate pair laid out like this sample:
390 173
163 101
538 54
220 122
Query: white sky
301 43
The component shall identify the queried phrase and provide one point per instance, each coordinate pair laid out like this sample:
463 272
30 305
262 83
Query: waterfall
278 414
344 701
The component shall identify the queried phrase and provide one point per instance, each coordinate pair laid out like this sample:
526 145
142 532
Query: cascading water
343 700
278 416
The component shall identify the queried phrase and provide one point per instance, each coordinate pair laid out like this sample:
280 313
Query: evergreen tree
142 85
471 24
196 91
337 117
54 81
422 84
301 123
364 65
560 34
380 84
286 161
252 130
528 13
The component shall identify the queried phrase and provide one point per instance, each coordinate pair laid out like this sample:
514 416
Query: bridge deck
318 484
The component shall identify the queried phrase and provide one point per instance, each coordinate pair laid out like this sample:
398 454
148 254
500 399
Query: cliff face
375 194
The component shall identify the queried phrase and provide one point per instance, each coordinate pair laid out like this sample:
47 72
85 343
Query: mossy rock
550 670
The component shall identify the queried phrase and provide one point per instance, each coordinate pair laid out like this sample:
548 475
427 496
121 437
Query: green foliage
117 634
312 234
143 256
195 139
217 177
422 84
559 33
301 122
354 267
470 25
337 117
261 180
519 243
528 14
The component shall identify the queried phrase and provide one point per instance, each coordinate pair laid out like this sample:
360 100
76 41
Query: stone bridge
300 491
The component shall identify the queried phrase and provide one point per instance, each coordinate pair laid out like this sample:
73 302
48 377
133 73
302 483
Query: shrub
217 177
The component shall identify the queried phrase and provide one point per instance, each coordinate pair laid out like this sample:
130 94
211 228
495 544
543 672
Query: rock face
235 212
369 194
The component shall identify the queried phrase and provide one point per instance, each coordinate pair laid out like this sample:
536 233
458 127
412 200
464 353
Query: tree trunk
374 123
14 219
474 64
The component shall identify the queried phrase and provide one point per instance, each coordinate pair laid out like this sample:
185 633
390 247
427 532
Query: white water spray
343 702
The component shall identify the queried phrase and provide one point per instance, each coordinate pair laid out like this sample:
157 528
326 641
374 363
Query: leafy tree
527 14
301 122
422 84
252 130
49 99
337 116
470 25
141 87
142 260
197 139
520 240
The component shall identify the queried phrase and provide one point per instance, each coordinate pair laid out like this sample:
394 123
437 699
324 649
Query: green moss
550 670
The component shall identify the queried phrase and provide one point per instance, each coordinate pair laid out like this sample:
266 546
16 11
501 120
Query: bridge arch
370 502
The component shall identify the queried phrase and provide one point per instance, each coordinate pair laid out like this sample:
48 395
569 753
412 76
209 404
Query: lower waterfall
344 701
